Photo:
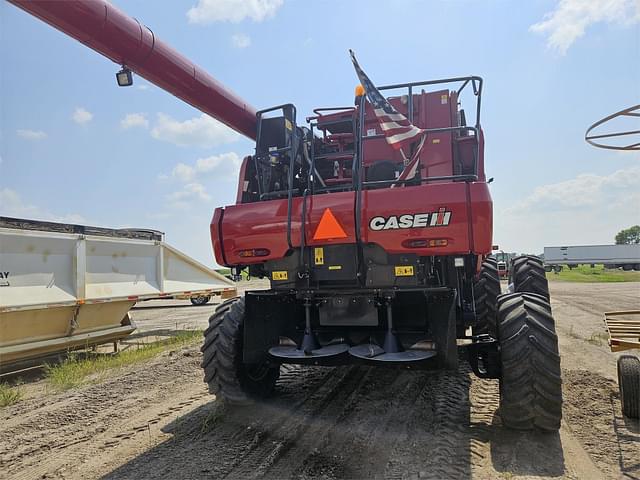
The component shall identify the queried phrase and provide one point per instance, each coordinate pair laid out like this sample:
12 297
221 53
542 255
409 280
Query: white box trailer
611 256
68 286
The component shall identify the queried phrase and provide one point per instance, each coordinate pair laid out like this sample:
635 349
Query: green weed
9 395
77 368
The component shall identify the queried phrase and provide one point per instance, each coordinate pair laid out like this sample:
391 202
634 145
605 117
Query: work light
124 77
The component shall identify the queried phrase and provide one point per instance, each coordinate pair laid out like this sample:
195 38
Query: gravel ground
156 420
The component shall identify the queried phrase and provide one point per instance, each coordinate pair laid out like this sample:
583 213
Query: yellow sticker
435 140
444 99
287 124
404 270
279 275
335 267
318 253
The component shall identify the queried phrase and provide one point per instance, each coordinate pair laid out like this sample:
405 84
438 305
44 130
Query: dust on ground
156 420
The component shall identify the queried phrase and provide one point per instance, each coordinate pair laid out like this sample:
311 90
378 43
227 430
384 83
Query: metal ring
628 112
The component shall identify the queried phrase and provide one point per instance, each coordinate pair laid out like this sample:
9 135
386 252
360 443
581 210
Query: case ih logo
441 218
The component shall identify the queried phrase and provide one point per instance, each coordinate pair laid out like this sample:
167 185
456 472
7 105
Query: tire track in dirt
329 400
244 439
592 410
356 432
56 437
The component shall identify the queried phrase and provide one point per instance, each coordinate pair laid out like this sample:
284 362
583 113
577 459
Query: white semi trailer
626 257
65 286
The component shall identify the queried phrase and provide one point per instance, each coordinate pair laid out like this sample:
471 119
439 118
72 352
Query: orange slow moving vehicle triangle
328 227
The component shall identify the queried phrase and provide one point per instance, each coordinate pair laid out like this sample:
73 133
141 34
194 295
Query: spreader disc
294 353
374 353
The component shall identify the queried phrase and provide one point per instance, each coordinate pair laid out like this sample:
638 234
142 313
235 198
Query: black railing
291 146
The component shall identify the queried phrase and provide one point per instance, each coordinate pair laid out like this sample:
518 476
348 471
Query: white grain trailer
66 286
611 256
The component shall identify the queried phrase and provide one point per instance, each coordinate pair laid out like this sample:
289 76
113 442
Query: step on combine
373 223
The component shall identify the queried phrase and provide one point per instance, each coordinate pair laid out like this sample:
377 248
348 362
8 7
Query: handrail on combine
476 83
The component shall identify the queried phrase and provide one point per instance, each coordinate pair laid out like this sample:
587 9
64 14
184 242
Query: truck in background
626 257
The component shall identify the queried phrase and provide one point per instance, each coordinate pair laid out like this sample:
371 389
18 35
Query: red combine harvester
367 265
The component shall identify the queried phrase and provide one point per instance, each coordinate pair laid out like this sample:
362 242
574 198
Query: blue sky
75 147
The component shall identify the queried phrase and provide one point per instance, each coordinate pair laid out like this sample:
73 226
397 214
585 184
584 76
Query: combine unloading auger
125 41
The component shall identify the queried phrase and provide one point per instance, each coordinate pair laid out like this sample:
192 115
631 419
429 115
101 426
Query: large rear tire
629 383
528 276
530 384
485 294
225 373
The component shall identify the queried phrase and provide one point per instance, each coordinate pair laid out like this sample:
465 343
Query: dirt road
156 420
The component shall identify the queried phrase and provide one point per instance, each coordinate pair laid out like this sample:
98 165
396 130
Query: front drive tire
527 275
485 292
224 371
530 385
629 383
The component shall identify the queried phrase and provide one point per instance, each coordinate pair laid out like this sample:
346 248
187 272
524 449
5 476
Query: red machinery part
238 228
122 39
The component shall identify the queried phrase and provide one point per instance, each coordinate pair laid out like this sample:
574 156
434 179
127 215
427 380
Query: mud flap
442 309
268 315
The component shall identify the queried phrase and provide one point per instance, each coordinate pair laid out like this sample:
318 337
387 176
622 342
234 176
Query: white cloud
12 205
209 11
143 86
587 209
568 22
33 135
202 131
82 116
132 120
584 191
222 167
240 40
183 198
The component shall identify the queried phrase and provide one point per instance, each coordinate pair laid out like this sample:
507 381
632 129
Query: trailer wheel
485 292
531 384
200 300
225 373
527 275
629 383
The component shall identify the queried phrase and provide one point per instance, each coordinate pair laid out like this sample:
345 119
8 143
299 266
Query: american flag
398 130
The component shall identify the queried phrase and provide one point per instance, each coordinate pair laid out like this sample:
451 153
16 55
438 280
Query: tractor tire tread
486 292
224 372
528 276
629 383
531 384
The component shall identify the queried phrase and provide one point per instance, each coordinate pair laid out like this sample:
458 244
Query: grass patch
586 274
76 369
9 395
598 339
